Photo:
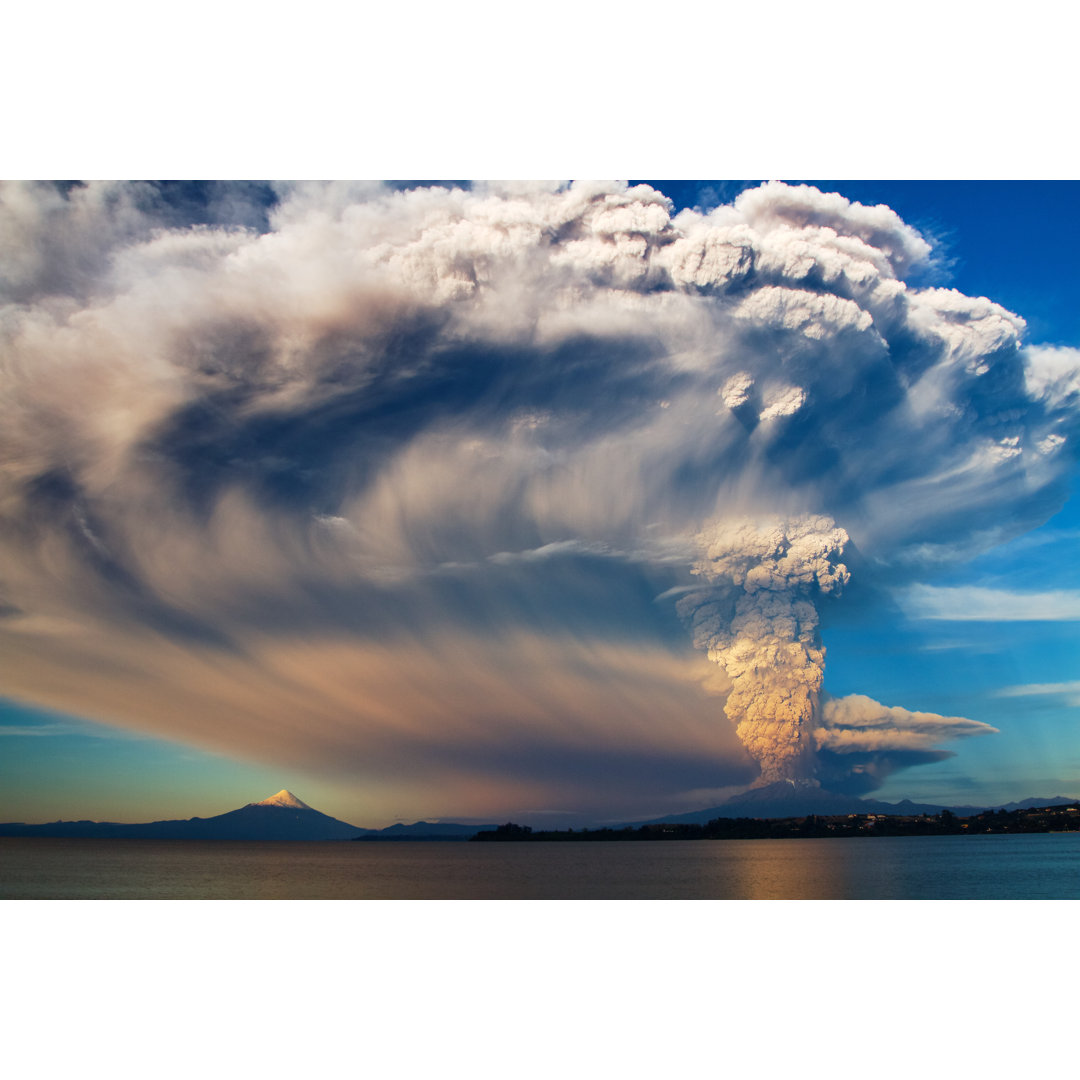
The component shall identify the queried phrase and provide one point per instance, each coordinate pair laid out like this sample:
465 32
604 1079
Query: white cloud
736 391
971 603
857 723
784 401
1052 373
1070 691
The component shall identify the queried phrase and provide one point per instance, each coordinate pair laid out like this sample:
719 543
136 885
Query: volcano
797 798
281 817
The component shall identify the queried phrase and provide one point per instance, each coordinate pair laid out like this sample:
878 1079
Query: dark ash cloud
361 474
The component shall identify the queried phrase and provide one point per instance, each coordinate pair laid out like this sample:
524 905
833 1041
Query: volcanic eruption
386 482
757 620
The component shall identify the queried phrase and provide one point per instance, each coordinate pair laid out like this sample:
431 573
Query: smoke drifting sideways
386 482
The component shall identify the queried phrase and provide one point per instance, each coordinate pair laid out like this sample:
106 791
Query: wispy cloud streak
971 603
1069 691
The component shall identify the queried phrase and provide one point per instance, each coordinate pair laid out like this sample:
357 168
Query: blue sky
235 653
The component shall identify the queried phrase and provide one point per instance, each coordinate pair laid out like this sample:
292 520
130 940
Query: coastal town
1046 819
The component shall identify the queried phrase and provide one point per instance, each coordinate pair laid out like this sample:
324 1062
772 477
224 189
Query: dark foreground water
1043 867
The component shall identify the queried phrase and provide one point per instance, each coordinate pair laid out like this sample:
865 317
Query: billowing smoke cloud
759 623
389 430
860 742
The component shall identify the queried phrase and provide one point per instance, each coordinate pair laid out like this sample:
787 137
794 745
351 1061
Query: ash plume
386 481
757 620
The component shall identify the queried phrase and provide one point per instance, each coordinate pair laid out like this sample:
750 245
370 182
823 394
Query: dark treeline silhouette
1034 820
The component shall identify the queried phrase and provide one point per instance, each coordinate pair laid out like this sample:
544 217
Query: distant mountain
284 817
425 830
281 817
797 799
1037 801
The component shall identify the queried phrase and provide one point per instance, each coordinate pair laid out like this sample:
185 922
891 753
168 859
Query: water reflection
780 870
863 868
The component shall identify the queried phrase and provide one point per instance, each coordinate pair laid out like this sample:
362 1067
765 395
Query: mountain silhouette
281 817
787 798
424 830
284 817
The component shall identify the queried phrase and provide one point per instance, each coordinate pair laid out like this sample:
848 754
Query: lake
1030 867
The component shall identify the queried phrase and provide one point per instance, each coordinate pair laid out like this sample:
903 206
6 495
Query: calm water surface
1037 867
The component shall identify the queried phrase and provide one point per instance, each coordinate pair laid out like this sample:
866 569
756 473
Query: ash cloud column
757 620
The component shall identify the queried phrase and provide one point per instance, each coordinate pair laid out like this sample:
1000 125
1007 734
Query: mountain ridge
284 817
785 799
281 817
255 821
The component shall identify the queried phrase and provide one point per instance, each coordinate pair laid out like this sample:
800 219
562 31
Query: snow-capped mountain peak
284 798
